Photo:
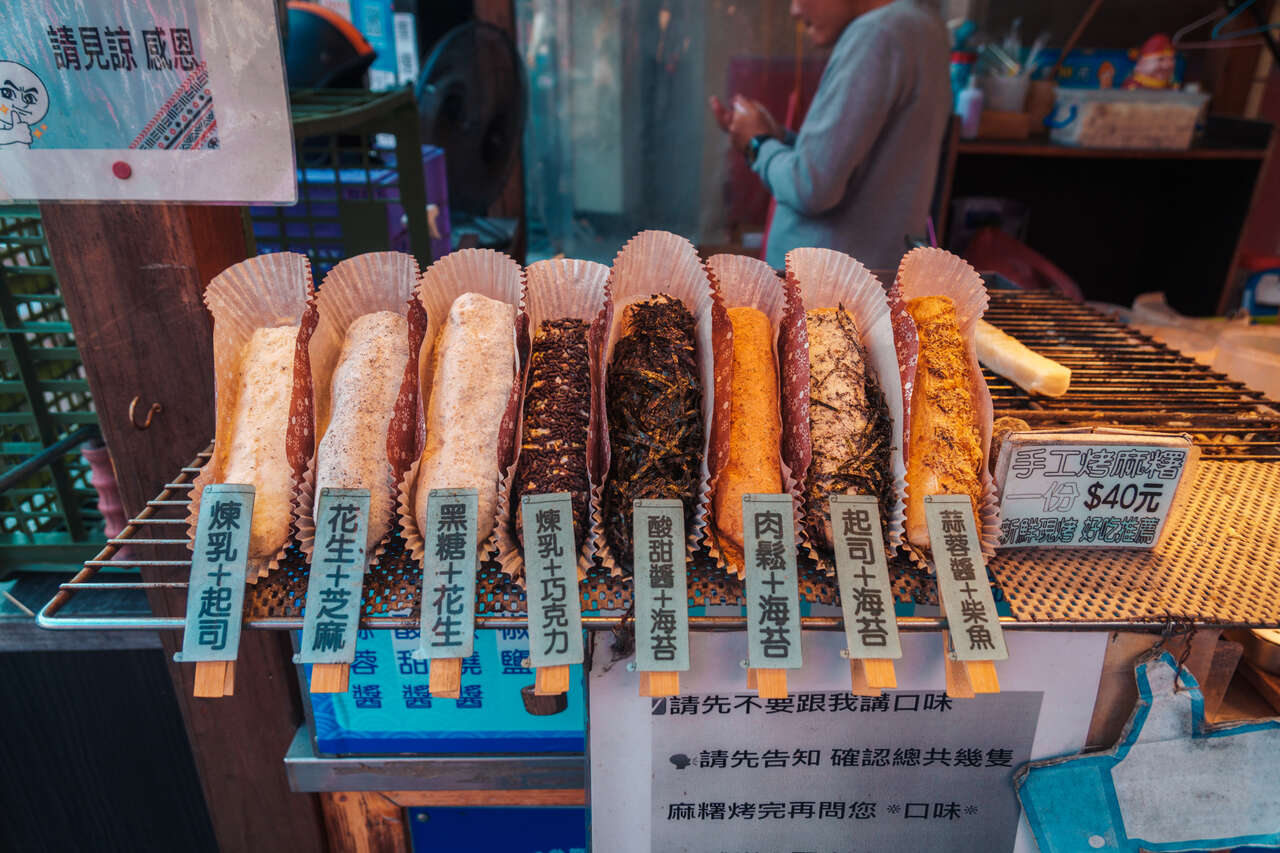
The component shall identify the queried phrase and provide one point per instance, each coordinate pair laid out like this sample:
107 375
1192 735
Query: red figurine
1156 63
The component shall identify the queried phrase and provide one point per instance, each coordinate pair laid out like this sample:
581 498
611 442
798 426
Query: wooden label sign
331 619
449 574
972 621
215 597
866 594
773 591
1103 489
551 568
661 586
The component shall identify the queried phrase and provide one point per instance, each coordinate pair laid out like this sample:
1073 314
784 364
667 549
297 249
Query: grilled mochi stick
473 370
755 429
353 451
557 412
946 452
850 429
259 422
655 416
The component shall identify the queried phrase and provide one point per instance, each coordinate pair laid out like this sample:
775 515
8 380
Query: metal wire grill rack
1120 377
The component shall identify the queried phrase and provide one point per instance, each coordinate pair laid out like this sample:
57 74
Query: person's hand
749 119
722 114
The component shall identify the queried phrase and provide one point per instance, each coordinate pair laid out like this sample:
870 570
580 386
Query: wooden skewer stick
870 676
880 673
229 682
769 683
551 680
330 677
211 679
444 678
982 676
858 678
958 686
659 684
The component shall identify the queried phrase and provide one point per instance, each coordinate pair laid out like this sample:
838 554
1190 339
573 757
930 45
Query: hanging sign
1093 489
449 574
661 587
331 618
551 567
215 596
773 591
144 100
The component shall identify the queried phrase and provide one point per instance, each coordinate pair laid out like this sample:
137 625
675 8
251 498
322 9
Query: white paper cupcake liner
935 272
554 290
658 262
746 282
262 292
496 276
361 285
828 279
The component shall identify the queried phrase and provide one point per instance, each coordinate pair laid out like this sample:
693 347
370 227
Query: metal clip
151 413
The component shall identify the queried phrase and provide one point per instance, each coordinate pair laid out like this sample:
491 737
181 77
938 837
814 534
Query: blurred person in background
859 175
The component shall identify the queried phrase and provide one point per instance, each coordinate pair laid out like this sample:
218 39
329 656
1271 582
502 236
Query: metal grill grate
1221 564
1123 378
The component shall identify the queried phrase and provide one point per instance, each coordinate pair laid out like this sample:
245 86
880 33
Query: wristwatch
753 147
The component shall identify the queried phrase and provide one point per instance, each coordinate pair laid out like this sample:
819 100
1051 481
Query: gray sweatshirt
859 175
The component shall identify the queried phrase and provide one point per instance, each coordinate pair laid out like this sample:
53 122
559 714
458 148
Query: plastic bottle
969 108
961 70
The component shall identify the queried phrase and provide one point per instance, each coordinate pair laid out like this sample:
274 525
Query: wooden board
132 277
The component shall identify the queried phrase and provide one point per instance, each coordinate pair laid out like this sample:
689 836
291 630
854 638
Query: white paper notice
823 769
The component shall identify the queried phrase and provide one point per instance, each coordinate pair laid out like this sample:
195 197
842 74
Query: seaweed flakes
655 417
860 463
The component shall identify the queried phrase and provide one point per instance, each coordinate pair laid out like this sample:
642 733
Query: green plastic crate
50 519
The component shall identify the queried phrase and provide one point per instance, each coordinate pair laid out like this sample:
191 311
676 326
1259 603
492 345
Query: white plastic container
1252 356
1119 118
1005 93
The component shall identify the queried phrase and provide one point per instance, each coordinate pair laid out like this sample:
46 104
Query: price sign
551 569
972 620
215 597
866 595
1106 489
332 615
449 574
661 587
773 593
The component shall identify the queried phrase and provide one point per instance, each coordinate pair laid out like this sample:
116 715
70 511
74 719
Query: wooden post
132 278
365 822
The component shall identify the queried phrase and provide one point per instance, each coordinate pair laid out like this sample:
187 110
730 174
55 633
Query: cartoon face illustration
23 104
